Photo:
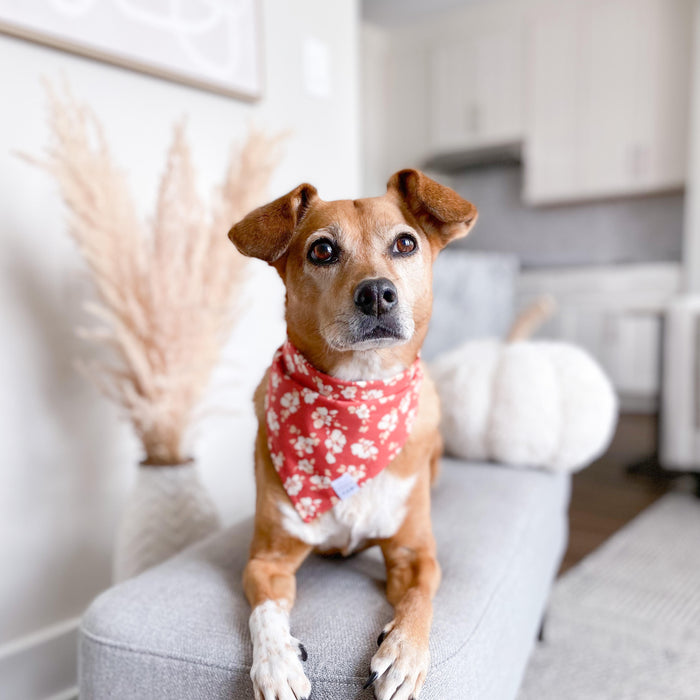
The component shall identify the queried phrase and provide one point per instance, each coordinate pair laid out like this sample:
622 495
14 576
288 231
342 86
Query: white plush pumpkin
528 403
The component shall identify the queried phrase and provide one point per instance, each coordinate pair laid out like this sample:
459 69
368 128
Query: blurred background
573 125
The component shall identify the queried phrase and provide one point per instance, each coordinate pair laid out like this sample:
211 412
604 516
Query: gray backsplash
631 230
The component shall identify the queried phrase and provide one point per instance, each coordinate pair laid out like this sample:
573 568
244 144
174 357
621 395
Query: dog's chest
375 511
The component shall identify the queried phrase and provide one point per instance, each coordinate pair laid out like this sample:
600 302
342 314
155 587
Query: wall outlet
316 68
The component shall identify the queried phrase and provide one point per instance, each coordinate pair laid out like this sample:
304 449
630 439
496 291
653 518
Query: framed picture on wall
210 44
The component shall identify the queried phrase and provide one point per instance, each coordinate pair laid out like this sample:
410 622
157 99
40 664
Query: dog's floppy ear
266 232
440 211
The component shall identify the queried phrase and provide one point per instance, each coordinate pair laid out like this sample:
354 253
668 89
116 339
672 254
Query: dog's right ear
267 231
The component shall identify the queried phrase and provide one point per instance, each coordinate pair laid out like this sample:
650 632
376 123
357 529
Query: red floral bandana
327 437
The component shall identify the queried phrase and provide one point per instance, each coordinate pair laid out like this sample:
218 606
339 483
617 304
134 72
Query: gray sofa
180 630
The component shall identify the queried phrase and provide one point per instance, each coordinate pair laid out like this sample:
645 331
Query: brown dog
358 275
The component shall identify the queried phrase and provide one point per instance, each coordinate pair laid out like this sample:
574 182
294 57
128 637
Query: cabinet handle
473 117
638 161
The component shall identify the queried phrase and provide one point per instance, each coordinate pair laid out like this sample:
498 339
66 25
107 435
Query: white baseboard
42 665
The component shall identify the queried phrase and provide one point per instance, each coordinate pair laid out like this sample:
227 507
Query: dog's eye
404 244
323 252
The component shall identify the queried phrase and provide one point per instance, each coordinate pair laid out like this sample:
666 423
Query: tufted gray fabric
180 631
473 297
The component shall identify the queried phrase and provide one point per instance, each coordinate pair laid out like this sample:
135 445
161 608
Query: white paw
277 672
398 669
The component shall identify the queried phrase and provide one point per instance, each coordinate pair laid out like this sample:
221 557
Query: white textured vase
168 509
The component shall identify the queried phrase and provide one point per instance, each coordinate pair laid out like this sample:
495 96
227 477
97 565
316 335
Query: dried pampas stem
167 290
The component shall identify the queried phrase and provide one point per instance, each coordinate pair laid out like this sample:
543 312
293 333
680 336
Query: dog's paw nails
302 655
387 628
370 680
399 667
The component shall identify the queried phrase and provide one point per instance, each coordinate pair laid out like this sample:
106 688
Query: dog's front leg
399 667
270 586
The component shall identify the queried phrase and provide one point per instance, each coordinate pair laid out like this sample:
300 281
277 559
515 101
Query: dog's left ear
440 211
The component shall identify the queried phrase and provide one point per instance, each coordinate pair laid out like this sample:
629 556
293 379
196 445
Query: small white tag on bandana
344 486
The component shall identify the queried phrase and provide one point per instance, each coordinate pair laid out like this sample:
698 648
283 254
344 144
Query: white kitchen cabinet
452 112
614 312
550 152
615 108
476 89
608 115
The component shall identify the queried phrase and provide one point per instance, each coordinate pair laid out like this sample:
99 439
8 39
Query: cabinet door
635 103
452 115
669 25
551 153
609 98
498 95
476 90
616 113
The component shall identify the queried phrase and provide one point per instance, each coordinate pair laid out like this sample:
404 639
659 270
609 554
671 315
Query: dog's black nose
376 297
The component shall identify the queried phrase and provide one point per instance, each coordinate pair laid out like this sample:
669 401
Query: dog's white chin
373 344
343 336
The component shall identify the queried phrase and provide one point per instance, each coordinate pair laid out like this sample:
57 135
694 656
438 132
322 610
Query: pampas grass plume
166 288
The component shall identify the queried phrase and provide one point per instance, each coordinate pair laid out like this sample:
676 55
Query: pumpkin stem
531 318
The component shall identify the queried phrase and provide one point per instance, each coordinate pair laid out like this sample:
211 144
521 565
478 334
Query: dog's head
358 272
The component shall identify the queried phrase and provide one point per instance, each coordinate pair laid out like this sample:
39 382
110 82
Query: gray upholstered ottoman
180 631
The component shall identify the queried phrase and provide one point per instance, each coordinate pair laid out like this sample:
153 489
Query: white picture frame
213 45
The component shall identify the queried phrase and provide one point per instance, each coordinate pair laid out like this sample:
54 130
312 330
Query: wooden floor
605 496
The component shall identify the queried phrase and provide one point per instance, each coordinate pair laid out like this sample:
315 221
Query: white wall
67 458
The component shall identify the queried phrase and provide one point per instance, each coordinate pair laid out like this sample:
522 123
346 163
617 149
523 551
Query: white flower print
307 506
336 441
309 396
290 401
364 449
319 482
300 364
405 403
371 394
348 392
323 416
357 472
272 423
288 363
388 422
306 465
410 418
305 445
323 389
293 484
277 460
362 411
275 379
